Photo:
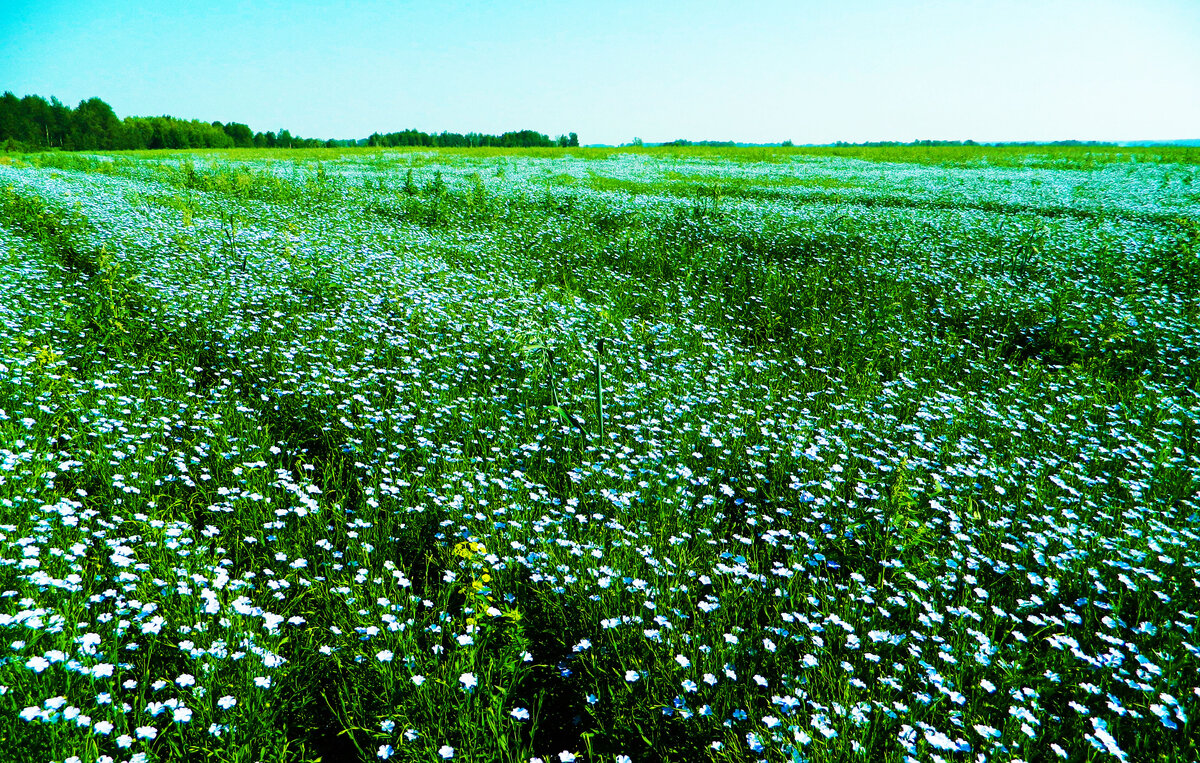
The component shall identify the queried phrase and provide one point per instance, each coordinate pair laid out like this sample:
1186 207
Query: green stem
600 385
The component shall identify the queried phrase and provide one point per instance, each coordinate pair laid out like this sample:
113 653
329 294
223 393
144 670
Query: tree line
32 123
517 139
964 143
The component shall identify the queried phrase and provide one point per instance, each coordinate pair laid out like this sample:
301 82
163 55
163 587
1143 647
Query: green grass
1037 156
673 454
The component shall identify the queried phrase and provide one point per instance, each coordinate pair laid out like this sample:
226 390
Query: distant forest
520 139
34 124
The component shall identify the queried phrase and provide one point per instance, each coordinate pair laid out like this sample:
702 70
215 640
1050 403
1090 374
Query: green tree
240 134
60 120
95 126
137 133
10 117
35 127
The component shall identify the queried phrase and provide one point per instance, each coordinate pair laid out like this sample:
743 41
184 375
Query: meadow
600 455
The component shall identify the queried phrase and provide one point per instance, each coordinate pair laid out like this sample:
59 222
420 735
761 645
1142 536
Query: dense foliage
32 123
518 139
659 455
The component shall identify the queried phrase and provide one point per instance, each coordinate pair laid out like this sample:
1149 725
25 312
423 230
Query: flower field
599 456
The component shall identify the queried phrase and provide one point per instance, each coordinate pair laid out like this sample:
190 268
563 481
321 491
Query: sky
611 70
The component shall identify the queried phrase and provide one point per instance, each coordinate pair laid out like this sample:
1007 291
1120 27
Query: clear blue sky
611 70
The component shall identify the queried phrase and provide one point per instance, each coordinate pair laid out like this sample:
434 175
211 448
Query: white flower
146 732
89 642
181 715
753 742
263 682
384 655
446 752
520 713
684 662
385 751
187 679
631 676
566 757
226 702
468 681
